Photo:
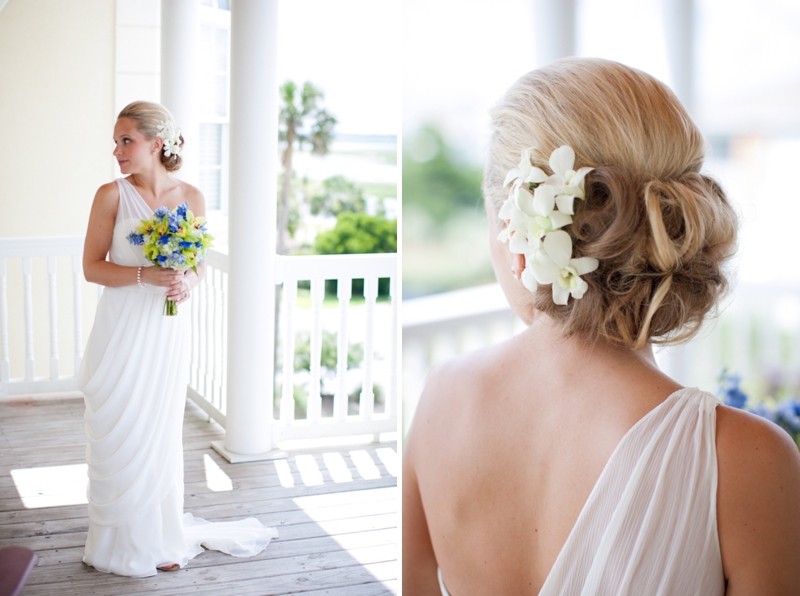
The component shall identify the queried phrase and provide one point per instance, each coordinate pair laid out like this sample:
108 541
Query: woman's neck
157 181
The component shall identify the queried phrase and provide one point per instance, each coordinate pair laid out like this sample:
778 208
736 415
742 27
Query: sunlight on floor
337 467
216 479
284 473
364 464
52 486
309 470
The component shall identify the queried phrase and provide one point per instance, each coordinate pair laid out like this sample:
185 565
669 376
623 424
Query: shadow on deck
335 509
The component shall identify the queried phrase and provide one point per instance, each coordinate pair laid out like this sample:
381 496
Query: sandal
173 567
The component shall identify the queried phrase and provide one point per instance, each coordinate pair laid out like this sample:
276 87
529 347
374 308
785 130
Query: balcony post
179 32
679 28
252 225
556 39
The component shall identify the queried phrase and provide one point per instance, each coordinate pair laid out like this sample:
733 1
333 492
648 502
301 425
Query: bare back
506 447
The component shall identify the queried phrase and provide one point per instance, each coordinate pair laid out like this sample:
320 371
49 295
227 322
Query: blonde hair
660 230
148 115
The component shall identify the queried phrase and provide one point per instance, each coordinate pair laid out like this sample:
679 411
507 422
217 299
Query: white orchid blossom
538 206
553 264
567 181
525 172
171 135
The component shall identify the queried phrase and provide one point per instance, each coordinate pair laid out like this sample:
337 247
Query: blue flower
788 417
163 240
135 238
185 244
173 220
729 390
178 258
161 212
764 412
198 244
181 209
162 258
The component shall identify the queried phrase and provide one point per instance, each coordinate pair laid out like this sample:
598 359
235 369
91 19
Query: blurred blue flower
135 238
161 212
181 209
789 415
185 244
162 258
163 240
764 412
729 389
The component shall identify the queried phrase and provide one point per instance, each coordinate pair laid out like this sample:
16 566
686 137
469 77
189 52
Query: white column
679 28
554 33
252 224
179 50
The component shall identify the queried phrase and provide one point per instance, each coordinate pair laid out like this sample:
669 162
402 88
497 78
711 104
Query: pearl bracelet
139 277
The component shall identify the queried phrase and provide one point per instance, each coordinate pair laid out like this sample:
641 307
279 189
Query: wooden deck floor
335 509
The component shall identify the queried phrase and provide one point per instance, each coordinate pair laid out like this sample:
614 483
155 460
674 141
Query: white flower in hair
568 182
525 172
553 264
172 137
534 223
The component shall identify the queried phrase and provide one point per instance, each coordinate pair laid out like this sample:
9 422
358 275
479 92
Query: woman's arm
419 560
96 268
758 505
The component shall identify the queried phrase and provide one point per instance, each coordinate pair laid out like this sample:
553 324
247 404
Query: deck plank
335 538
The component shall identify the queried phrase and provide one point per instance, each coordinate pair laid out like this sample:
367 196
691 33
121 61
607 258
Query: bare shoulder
108 194
195 198
758 504
450 394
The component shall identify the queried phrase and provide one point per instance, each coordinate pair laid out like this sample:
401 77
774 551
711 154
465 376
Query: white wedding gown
134 376
649 526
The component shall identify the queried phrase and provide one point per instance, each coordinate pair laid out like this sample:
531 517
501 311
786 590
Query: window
214 72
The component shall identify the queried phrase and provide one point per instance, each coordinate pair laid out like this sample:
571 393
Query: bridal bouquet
173 239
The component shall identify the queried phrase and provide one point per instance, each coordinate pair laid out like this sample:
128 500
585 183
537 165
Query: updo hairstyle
660 230
148 115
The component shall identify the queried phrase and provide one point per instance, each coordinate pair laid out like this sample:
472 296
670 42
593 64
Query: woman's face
133 151
507 267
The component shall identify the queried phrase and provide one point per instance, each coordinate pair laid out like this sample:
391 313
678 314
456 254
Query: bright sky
351 49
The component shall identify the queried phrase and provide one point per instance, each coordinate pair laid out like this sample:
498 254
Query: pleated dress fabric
134 376
649 525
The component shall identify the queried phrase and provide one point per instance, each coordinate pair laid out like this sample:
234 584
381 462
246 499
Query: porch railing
301 308
756 335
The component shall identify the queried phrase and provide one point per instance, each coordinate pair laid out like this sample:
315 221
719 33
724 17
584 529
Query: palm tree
303 121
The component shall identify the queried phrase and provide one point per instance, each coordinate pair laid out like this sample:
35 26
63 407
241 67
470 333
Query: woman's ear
518 265
158 145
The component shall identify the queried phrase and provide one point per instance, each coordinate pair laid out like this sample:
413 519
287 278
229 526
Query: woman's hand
180 287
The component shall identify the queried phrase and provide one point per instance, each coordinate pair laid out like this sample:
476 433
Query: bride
135 370
563 461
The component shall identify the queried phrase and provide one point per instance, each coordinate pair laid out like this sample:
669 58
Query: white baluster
223 394
287 395
212 278
4 357
28 306
391 393
343 292
367 401
314 399
193 340
51 278
207 338
77 313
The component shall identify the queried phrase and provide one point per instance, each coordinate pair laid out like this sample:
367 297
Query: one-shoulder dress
134 377
649 525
